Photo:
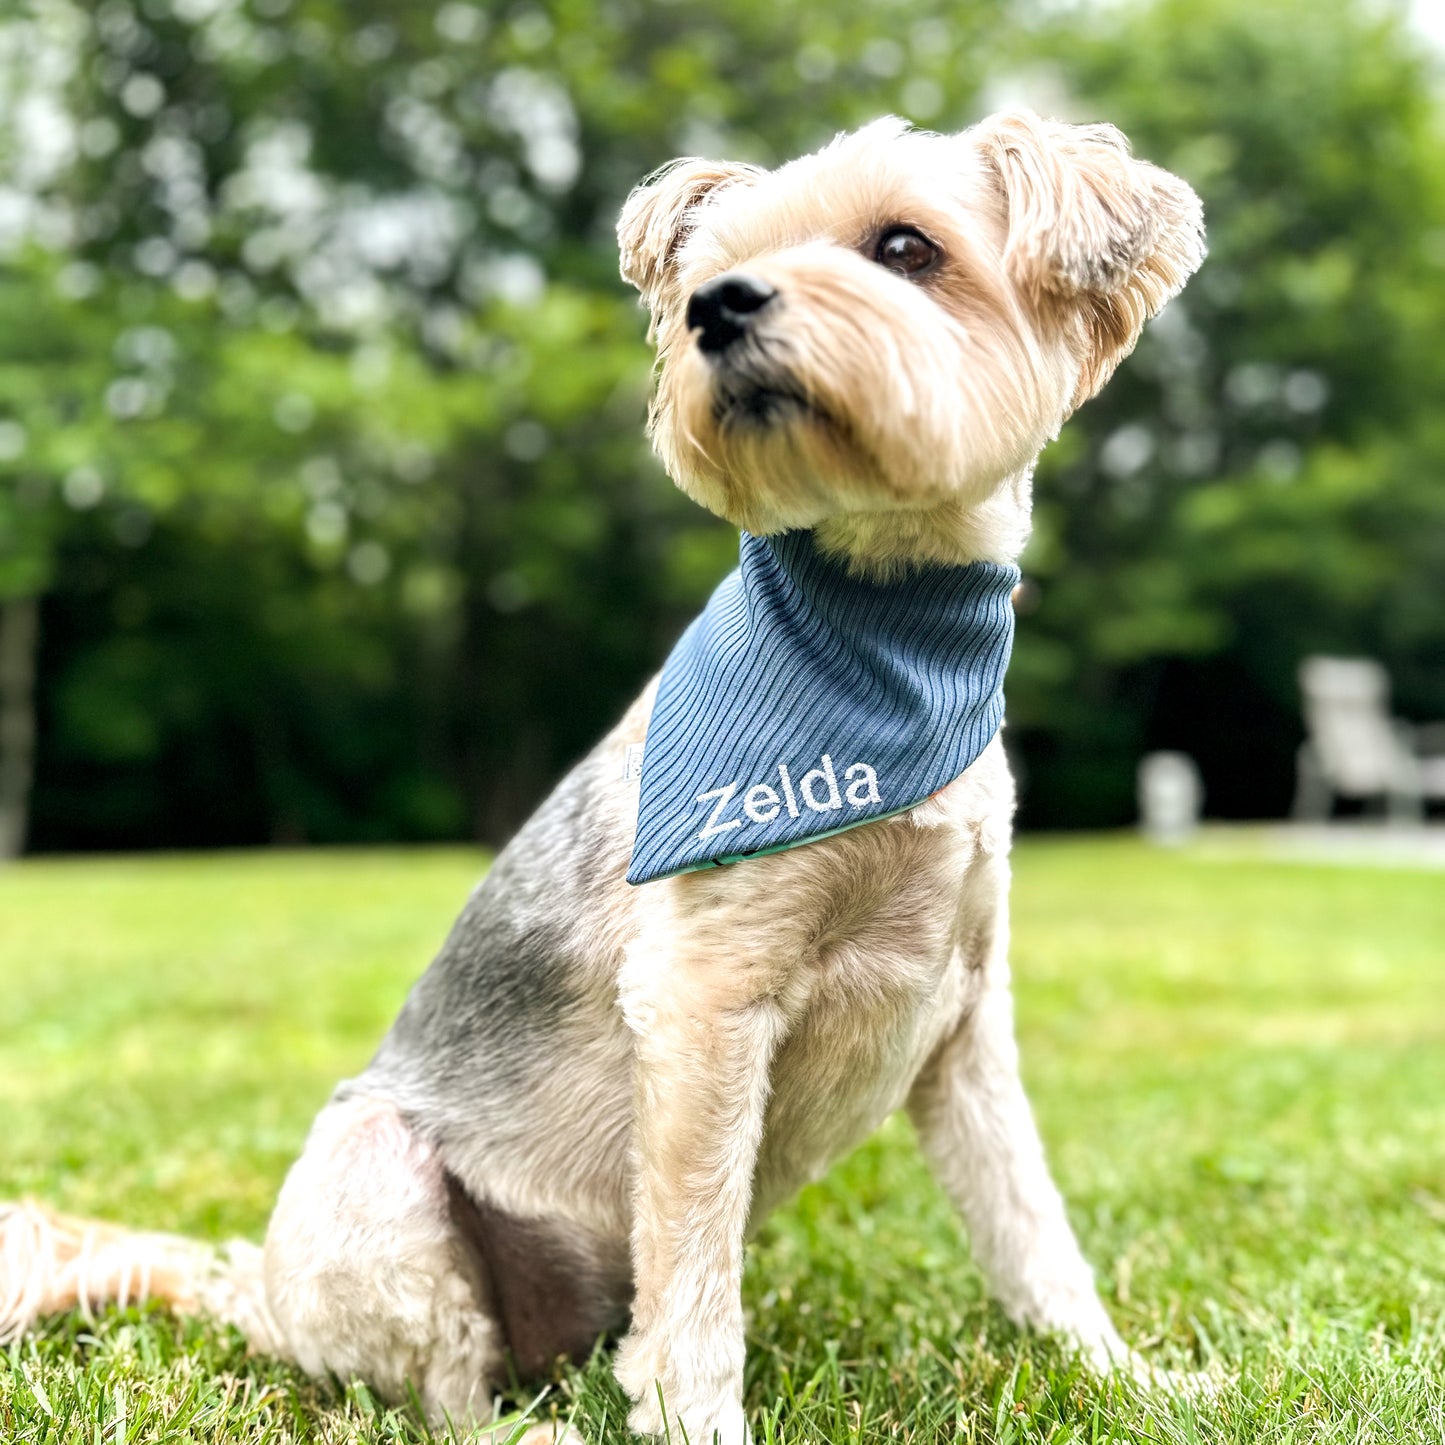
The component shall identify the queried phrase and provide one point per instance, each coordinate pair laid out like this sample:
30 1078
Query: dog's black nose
722 309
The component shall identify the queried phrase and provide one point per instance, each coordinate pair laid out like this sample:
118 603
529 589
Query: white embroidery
787 783
632 763
865 775
826 774
724 797
761 803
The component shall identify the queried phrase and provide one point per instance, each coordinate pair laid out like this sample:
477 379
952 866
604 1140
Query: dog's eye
905 251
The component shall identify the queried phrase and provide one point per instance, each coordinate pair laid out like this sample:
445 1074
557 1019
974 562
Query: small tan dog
597 1091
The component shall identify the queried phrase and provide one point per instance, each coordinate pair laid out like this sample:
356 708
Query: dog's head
899 322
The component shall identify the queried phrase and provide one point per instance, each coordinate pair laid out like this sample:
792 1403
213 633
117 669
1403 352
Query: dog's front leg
706 1028
977 1128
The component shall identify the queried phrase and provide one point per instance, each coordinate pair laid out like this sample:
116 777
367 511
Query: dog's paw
719 1423
1106 1354
1186 1384
684 1388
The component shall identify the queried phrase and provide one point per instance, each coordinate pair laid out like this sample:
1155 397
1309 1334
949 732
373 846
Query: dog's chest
884 992
842 1072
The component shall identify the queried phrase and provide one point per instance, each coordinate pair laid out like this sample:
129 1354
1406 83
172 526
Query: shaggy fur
596 1092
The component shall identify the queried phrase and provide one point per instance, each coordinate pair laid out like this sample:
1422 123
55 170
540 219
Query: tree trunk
19 634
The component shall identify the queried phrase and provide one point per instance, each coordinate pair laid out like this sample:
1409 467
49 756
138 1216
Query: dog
600 1087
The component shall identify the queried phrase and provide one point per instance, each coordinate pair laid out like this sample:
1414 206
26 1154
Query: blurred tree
1263 480
19 622
47 362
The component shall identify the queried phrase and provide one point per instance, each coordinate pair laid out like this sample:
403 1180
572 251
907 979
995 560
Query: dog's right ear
659 214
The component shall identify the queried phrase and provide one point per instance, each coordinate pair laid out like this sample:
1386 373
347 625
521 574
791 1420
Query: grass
1239 1068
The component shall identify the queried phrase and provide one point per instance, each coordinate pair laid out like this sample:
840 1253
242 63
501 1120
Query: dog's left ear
1095 237
658 215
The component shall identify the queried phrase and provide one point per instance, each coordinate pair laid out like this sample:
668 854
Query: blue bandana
804 701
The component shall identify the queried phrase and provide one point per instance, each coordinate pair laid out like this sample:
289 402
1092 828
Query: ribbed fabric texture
804 701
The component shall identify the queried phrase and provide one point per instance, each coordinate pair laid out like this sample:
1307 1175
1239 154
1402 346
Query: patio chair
1355 749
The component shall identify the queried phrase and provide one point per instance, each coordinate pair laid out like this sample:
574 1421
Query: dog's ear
658 215
1096 237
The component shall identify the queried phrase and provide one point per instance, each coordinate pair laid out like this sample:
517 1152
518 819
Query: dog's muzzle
721 311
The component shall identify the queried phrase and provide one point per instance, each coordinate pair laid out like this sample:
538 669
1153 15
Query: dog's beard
747 438
754 389
761 405
759 441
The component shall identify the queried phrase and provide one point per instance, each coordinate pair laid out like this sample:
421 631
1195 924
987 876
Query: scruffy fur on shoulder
596 1091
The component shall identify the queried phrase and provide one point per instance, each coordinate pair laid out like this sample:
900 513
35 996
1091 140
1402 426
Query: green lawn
1239 1067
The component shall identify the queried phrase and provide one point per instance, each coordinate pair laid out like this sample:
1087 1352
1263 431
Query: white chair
1355 749
1430 755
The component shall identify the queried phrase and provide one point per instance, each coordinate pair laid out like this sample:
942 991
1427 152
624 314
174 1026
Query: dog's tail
50 1263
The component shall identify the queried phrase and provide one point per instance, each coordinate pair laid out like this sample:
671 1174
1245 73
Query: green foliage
321 401
1237 1064
1263 480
